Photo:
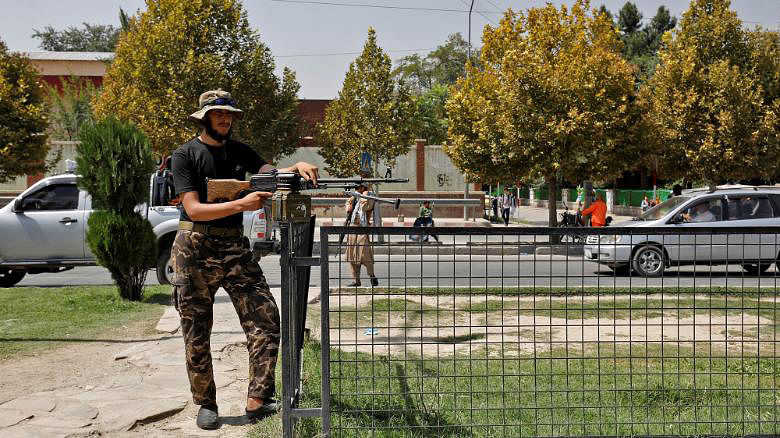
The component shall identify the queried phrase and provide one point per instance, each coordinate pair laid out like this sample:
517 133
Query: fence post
287 377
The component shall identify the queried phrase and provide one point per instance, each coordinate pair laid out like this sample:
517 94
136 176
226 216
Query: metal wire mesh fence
505 333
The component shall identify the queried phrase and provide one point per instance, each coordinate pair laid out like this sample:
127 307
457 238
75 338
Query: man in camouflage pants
210 251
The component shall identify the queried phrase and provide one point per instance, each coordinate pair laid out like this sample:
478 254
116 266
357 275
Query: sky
318 39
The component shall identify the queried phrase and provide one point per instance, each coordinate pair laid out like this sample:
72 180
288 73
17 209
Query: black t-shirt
195 161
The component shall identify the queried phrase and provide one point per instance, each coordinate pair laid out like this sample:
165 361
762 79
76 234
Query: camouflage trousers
201 265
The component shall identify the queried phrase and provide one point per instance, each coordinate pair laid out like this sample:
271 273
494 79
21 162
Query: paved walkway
151 387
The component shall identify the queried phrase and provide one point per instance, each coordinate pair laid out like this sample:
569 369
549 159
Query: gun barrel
334 181
396 202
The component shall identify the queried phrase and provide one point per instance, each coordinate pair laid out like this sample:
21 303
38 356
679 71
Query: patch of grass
32 319
489 306
455 339
641 393
604 291
396 305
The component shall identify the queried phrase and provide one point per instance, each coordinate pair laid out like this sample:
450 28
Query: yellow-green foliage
553 96
177 49
715 98
371 114
23 122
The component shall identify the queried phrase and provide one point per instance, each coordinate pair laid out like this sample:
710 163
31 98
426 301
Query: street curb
433 249
570 250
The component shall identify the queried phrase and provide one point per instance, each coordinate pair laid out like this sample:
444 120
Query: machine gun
288 203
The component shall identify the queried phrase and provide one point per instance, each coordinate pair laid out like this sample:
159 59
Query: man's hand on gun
308 171
253 200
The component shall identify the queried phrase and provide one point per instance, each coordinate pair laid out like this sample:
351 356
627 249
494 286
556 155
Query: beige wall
440 174
67 68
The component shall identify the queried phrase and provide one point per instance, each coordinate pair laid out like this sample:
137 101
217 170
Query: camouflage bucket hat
215 99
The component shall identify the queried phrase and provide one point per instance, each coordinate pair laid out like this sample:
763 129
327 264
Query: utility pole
466 190
469 48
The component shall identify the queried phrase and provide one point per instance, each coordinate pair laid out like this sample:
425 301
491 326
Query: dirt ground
72 364
516 326
87 364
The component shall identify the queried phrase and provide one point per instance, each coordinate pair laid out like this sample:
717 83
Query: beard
213 132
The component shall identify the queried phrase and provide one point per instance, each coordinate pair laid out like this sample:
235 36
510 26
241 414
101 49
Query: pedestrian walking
210 251
507 201
359 250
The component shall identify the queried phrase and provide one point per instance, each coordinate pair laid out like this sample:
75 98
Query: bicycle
571 220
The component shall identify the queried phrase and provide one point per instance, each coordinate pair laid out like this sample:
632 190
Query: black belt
211 230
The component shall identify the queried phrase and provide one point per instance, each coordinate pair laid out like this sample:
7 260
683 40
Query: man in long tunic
359 251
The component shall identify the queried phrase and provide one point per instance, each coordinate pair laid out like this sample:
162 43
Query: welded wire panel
516 332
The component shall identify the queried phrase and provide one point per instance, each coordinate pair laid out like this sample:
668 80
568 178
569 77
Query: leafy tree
442 66
715 99
178 49
69 108
430 78
90 38
372 113
662 22
124 20
114 160
431 116
629 19
554 97
603 10
23 123
640 45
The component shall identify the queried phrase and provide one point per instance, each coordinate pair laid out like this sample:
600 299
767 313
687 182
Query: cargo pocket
179 282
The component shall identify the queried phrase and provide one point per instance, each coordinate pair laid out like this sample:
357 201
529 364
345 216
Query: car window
53 197
663 208
706 210
749 207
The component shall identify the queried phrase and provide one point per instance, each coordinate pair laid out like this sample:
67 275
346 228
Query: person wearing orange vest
598 210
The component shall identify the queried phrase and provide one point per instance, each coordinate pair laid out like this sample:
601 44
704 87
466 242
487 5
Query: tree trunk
552 201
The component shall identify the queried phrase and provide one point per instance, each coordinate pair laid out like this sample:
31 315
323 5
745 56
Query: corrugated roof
69 56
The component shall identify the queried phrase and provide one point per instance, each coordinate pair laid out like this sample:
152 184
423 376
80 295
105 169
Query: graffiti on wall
443 179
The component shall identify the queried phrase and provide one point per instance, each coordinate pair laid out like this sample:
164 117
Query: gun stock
222 190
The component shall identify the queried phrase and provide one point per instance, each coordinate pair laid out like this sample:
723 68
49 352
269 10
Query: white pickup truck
44 230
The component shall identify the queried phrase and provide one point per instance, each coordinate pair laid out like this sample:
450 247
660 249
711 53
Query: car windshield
663 208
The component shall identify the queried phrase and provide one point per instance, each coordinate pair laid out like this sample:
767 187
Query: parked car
44 229
741 207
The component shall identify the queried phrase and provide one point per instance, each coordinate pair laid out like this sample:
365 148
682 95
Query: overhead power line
349 53
462 11
365 5
480 13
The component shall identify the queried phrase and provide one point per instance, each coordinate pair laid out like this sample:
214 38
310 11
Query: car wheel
9 277
755 268
648 261
164 267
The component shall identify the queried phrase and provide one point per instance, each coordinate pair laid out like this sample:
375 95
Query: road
473 271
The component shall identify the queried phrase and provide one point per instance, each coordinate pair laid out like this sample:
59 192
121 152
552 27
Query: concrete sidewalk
146 383
538 217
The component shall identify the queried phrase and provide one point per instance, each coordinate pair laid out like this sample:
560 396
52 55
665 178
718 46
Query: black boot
374 281
208 417
270 406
